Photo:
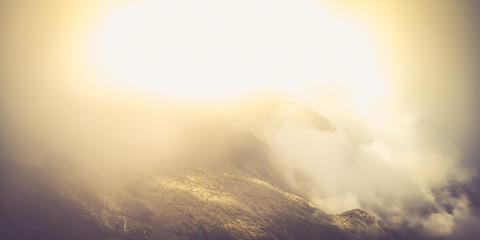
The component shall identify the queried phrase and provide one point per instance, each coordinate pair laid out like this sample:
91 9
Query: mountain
39 202
241 194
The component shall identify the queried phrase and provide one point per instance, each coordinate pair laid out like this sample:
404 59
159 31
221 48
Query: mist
399 144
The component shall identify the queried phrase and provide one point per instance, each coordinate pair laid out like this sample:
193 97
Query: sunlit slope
227 202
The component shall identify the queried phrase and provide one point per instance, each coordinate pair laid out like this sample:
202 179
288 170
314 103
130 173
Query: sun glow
204 50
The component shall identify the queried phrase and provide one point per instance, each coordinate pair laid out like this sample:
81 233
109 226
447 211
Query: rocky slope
202 203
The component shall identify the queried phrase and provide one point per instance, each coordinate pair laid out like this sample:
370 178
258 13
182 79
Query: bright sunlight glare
214 49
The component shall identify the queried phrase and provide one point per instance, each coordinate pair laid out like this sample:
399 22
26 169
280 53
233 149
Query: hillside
202 203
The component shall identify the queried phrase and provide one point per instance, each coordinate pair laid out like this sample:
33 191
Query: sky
362 104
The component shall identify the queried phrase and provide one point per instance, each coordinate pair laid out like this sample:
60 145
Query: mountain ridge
198 204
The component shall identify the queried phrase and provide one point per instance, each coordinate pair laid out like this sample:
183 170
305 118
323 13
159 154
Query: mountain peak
364 225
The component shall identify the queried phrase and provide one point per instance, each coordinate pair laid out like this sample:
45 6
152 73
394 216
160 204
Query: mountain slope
206 203
232 190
